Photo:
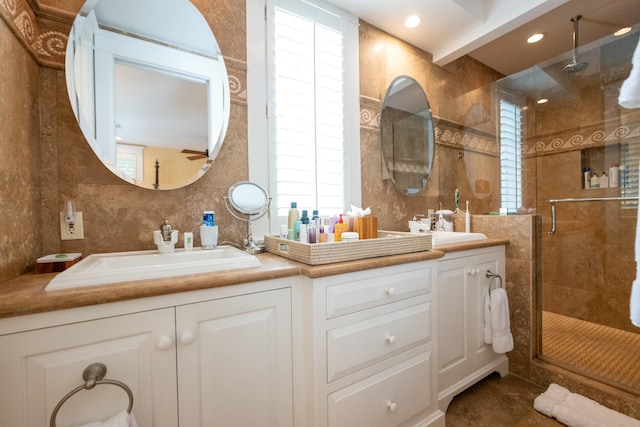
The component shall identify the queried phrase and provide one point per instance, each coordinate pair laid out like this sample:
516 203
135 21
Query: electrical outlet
71 233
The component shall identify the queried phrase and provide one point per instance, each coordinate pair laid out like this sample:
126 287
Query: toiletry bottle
614 175
296 230
467 220
315 215
340 228
595 181
304 218
294 215
587 178
604 180
303 236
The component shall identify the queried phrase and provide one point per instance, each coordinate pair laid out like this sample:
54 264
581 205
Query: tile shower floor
498 402
609 355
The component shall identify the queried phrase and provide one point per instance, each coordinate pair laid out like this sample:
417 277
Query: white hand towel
634 308
630 90
487 320
500 324
123 419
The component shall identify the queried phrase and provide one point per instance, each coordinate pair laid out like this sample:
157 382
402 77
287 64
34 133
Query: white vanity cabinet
463 357
212 358
371 348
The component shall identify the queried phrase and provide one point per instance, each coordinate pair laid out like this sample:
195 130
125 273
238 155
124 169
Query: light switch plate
68 233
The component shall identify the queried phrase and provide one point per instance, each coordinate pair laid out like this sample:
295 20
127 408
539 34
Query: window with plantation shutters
510 156
307 69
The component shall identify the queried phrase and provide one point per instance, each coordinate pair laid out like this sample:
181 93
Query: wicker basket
387 243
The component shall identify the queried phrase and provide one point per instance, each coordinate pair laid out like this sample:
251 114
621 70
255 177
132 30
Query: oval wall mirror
407 136
149 89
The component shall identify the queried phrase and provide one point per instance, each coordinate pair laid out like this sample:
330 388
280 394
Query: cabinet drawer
390 398
355 346
356 295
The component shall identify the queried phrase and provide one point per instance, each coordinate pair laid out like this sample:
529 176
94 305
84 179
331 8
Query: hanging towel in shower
630 90
501 337
123 419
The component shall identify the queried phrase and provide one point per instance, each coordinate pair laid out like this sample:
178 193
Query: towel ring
92 376
493 276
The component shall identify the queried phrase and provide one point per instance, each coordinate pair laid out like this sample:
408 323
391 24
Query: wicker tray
387 243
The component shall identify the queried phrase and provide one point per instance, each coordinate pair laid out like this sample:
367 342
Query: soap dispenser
165 238
340 228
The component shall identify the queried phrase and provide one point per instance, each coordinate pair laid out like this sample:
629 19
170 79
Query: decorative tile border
455 135
46 45
577 139
446 132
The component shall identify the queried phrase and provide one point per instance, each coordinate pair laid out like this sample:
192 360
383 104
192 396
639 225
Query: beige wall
20 208
119 216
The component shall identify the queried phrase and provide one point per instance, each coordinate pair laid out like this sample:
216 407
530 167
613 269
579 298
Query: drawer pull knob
391 291
392 406
187 337
391 339
165 342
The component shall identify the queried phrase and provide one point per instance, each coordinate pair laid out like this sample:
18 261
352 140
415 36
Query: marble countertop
26 295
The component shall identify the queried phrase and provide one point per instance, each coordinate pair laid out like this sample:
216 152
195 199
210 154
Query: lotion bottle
340 228
294 215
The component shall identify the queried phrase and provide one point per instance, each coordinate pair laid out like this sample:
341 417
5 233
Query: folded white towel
501 337
487 319
634 308
572 418
630 90
123 419
576 410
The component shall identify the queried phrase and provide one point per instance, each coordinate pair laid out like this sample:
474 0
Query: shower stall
578 166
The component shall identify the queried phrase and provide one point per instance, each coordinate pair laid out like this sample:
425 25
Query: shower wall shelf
582 199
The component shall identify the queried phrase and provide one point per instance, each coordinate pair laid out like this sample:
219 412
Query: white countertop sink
442 238
101 269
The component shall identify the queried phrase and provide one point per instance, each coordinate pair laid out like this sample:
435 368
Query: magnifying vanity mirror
407 136
149 89
251 200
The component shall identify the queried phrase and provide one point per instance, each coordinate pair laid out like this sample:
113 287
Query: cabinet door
462 287
38 368
453 293
234 361
481 353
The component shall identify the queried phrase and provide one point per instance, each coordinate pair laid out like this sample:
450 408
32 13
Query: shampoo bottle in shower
595 181
604 180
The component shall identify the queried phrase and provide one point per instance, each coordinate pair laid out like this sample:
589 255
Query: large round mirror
149 89
407 136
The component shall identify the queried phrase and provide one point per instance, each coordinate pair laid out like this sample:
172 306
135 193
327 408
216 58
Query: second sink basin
100 269
442 238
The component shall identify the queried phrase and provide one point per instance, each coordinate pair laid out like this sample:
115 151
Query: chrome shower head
574 66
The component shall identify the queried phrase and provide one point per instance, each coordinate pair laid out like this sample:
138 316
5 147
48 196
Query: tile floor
498 402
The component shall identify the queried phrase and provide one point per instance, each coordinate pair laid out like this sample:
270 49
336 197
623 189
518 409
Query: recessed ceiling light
622 31
412 21
542 101
534 38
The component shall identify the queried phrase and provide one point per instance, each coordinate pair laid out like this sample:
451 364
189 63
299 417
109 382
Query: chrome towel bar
583 199
92 376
